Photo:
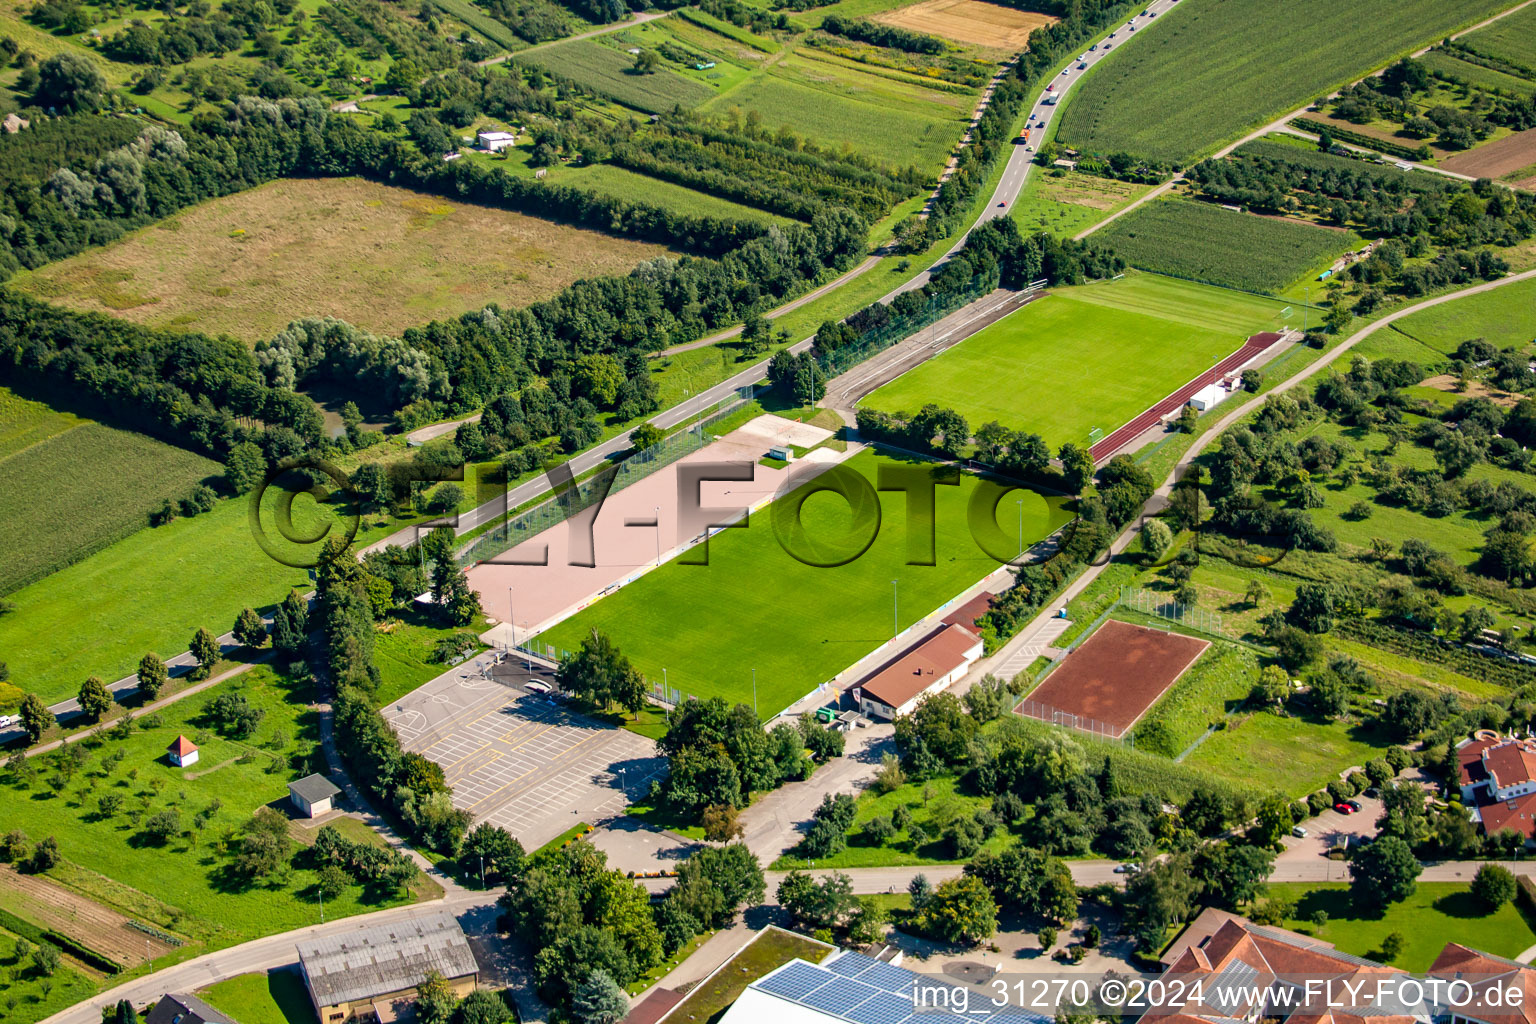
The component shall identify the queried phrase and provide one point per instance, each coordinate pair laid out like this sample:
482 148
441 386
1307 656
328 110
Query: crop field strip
1443 62
1136 340
823 619
1204 242
73 487
1511 39
1220 66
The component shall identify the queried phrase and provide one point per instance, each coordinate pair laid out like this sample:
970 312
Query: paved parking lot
518 759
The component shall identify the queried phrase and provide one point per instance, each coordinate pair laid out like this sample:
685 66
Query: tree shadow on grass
1461 904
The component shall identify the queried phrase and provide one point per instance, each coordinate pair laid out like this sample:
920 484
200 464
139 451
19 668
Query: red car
1344 808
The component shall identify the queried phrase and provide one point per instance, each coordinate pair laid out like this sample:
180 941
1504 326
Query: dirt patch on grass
970 21
1474 389
52 906
1088 190
1113 678
381 257
1496 159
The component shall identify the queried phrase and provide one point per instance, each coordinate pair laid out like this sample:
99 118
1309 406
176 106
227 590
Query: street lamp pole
658 536
1020 503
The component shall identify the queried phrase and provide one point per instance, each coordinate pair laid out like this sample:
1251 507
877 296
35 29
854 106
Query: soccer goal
1095 436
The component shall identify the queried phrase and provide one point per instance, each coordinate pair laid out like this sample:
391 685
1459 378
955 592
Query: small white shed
311 796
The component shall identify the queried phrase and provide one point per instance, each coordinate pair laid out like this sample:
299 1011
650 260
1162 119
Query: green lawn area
1079 358
30 996
754 606
1217 67
404 654
1238 250
772 948
1501 316
1438 913
1218 683
148 592
274 997
109 480
188 885
608 71
933 805
1291 755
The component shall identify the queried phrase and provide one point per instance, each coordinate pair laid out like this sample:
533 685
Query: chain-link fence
582 494
1191 616
902 326
1055 716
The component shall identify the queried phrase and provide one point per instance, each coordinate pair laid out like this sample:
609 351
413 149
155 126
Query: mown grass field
148 592
1134 340
1501 316
1437 913
1238 250
273 997
381 257
754 606
1063 206
609 71
1512 39
70 486
1285 754
191 875
1216 68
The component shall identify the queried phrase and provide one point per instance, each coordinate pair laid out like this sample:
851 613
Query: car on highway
1095 46
1107 45
1066 71
1082 65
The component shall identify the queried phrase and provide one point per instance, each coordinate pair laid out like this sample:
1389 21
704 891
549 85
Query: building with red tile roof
1498 780
182 752
928 666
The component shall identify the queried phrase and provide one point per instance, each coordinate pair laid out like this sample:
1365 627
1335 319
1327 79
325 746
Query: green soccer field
1086 357
798 625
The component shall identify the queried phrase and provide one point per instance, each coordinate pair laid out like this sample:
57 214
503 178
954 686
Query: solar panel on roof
890 979
796 981
839 996
882 1008
851 965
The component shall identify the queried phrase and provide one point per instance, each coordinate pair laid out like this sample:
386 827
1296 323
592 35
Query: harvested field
40 901
381 257
969 21
1473 389
1496 159
1113 678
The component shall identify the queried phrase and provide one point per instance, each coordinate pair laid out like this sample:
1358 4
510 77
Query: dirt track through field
1114 677
969 21
55 908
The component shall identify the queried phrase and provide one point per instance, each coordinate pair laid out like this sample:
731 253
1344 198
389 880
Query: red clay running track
1115 676
1134 429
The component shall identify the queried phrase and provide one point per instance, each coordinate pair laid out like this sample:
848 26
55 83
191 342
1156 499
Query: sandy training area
1496 159
635 528
1108 683
969 21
